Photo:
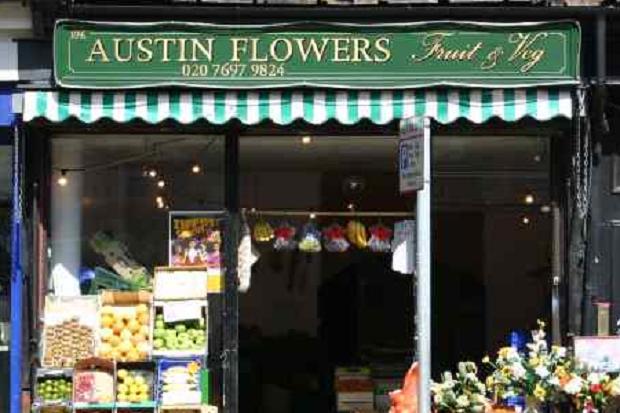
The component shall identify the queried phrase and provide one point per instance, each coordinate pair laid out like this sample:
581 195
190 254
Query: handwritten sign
112 55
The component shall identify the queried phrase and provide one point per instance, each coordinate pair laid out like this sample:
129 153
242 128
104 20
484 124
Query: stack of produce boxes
127 351
180 338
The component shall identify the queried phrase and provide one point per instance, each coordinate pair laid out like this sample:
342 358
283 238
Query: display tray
178 353
190 408
143 405
94 406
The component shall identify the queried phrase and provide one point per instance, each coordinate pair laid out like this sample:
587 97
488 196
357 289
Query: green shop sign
126 55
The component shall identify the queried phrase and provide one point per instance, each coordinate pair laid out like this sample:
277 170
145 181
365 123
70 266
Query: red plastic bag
405 400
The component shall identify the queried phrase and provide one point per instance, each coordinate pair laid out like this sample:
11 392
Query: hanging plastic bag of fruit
405 400
310 238
285 237
380 238
263 232
356 233
335 238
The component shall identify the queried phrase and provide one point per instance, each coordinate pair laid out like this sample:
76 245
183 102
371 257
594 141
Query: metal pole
423 293
16 282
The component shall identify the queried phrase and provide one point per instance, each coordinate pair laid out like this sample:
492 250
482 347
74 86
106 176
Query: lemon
139 380
128 380
122 388
122 397
122 373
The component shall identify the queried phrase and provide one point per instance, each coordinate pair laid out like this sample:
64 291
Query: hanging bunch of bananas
356 233
263 232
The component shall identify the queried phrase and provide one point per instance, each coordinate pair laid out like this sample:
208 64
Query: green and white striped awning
313 106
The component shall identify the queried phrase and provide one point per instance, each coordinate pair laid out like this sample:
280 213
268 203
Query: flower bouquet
460 393
591 392
538 375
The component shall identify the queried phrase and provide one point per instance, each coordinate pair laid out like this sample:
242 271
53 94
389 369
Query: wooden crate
158 308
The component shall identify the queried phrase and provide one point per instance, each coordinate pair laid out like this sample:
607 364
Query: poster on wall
599 353
195 240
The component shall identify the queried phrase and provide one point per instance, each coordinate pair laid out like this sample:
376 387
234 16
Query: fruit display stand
93 385
180 328
135 386
68 334
125 320
53 390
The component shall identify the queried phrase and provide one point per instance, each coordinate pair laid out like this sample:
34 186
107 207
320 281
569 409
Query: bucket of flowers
591 392
461 392
537 375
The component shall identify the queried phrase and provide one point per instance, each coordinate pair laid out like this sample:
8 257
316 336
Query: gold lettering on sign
205 50
525 49
254 55
117 49
383 46
145 54
239 44
435 48
341 49
287 48
165 42
98 50
307 46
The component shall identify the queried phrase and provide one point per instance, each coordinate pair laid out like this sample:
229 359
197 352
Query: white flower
518 371
542 372
554 381
595 378
560 351
574 385
471 377
462 401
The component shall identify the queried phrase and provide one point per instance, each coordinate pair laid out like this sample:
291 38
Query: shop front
216 212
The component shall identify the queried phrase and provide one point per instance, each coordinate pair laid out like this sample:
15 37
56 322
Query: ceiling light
529 199
306 140
313 216
62 180
159 199
351 207
196 168
152 173
161 183
525 220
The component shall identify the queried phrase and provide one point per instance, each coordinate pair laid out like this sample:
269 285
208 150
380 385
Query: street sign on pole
415 174
410 155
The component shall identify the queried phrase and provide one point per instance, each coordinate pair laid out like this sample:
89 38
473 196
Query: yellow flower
541 324
503 352
486 360
540 392
560 371
490 381
506 371
534 361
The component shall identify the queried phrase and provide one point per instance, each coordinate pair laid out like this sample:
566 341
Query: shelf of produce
179 353
143 405
94 406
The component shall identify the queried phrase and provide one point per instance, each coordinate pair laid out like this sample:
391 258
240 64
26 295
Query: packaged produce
380 238
134 386
285 238
69 325
179 382
310 238
263 232
181 326
356 233
335 238
125 327
53 389
93 381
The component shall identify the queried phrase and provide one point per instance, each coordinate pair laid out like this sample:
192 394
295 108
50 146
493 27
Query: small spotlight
62 180
161 183
525 220
350 207
159 199
196 168
161 206
152 173
306 140
529 199
545 209
313 216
